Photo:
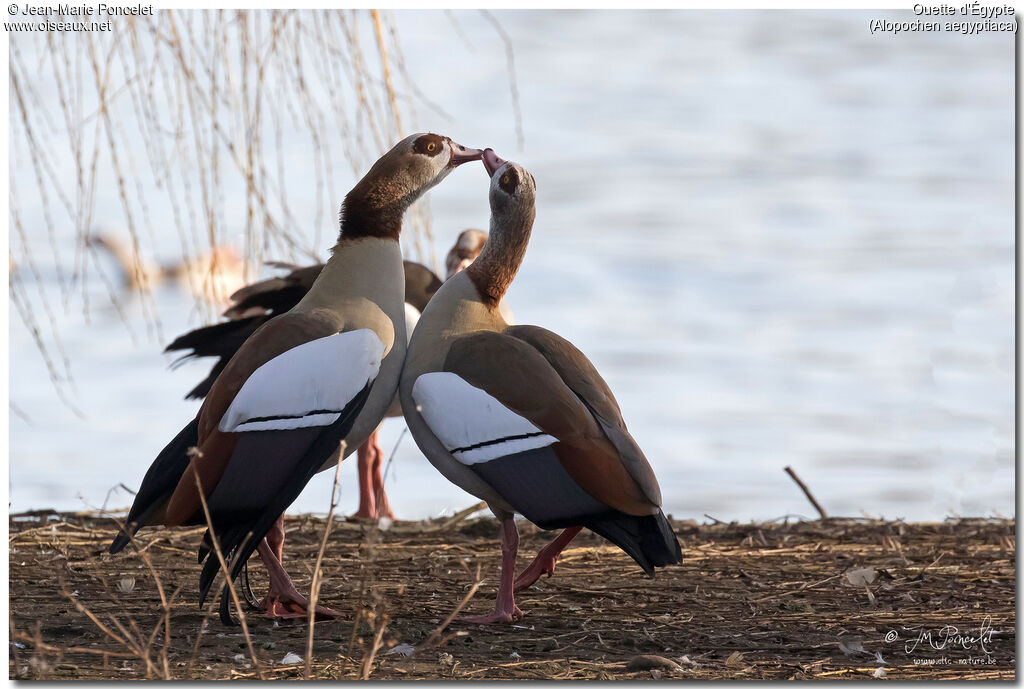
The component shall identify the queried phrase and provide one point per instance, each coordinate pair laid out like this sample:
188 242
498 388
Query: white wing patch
412 317
471 424
308 385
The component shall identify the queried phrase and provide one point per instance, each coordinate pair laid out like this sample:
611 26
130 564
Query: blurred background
782 240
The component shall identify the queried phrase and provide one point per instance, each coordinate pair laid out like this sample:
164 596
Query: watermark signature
948 638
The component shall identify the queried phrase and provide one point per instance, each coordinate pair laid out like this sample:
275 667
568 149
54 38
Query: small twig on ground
456 518
929 566
803 588
436 634
807 491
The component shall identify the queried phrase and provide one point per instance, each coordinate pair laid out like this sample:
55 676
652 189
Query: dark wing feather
536 485
583 379
420 284
221 340
529 384
275 295
267 471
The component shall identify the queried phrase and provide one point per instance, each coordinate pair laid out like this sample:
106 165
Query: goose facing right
519 417
306 386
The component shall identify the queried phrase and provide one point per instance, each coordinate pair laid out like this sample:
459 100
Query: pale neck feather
457 308
368 267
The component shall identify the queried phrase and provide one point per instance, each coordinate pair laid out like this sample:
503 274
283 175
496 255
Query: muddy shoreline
833 599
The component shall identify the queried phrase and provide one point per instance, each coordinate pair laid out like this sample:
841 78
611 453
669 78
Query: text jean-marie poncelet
69 10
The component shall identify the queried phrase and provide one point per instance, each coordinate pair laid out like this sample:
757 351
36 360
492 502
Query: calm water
783 241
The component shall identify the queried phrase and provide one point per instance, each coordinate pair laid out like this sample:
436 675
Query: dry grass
765 601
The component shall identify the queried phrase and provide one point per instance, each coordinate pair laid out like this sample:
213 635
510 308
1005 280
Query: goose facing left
519 417
319 376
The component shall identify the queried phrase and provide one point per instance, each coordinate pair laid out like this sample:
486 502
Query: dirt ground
839 599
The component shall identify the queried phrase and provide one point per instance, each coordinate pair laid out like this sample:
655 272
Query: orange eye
505 180
431 147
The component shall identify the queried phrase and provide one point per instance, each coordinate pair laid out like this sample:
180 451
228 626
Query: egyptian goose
316 378
467 247
519 417
255 304
211 275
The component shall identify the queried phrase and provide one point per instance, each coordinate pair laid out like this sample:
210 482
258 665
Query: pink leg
380 498
365 455
283 600
505 608
275 538
545 561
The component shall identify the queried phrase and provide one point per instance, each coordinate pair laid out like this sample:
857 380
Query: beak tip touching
491 161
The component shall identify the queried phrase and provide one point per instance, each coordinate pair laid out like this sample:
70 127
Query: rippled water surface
783 241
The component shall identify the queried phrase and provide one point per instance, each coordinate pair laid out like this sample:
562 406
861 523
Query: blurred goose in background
211 276
255 304
305 386
519 417
465 250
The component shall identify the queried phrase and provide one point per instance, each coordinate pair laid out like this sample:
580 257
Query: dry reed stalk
807 491
156 115
368 658
382 49
436 634
160 121
126 639
135 646
510 58
314 586
228 582
387 467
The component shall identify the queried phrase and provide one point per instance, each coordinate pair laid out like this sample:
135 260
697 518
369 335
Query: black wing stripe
497 441
281 417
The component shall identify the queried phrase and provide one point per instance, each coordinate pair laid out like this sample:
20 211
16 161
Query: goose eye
509 181
428 144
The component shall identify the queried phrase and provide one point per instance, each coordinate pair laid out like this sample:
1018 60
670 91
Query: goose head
467 247
512 196
417 163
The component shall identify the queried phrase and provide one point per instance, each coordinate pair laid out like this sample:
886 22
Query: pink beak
491 161
461 154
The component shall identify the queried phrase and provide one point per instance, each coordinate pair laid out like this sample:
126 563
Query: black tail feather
648 540
159 482
221 340
201 390
205 547
216 339
276 296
